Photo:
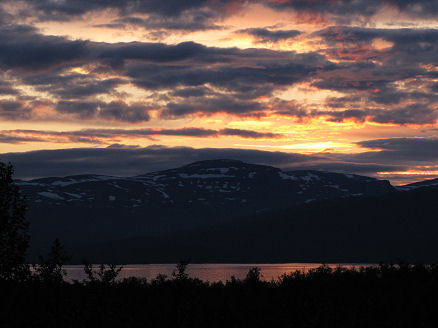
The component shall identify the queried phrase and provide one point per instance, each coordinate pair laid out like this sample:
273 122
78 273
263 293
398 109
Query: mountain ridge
199 195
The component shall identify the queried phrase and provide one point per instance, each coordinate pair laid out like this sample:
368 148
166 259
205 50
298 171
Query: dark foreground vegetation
383 296
38 296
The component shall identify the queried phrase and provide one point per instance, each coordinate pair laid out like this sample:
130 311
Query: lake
207 272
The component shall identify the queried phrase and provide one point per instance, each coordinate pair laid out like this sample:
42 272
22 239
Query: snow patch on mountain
222 170
51 195
286 176
204 176
309 177
73 195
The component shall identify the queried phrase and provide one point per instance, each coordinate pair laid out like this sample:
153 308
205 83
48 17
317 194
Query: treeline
382 296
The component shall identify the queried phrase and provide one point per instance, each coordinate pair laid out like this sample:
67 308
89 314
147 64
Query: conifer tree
14 236
50 269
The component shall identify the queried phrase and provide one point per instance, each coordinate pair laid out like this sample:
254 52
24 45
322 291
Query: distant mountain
366 229
85 208
420 184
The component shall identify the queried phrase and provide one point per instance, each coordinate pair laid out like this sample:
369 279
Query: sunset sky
125 86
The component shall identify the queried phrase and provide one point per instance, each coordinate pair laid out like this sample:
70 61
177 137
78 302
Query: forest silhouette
385 295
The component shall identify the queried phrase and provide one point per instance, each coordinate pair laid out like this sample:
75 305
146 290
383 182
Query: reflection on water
206 272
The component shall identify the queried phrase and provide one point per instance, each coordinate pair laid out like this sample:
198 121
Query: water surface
207 272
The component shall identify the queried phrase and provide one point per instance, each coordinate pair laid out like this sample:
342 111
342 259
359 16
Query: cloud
6 88
220 104
126 161
347 11
23 49
120 111
102 136
406 149
412 114
113 111
249 134
238 76
14 110
263 35
185 15
338 10
72 86
370 66
18 140
152 15
68 9
406 45
161 25
388 156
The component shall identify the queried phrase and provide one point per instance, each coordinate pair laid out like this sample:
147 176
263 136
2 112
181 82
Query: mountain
366 229
420 184
85 208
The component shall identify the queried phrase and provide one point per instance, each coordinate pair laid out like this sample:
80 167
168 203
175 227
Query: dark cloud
346 11
117 54
221 104
338 7
115 110
249 133
394 155
23 49
407 149
14 110
242 76
72 86
191 20
340 10
397 155
264 35
189 78
152 15
434 87
81 109
120 111
101 135
6 88
192 15
409 46
238 76
17 139
192 92
380 82
128 161
412 114
68 9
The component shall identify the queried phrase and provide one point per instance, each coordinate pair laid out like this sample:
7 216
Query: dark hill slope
81 209
359 229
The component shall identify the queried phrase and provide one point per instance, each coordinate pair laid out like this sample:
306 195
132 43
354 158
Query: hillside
85 208
359 229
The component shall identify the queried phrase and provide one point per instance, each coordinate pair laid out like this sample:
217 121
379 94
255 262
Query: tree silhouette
253 275
180 273
106 274
14 236
50 270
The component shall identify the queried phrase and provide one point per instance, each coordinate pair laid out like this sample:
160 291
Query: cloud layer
381 158
387 76
282 72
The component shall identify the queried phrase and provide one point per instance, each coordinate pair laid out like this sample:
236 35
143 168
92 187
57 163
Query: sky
123 87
